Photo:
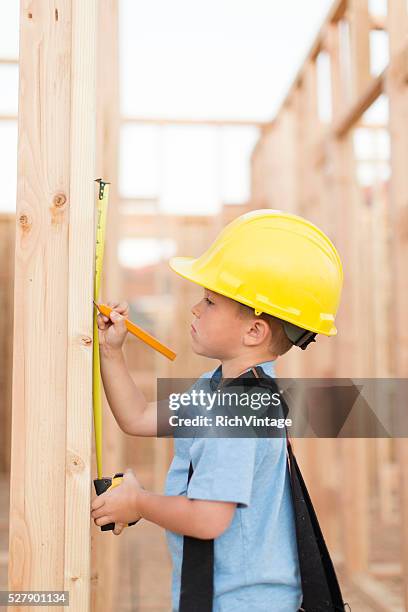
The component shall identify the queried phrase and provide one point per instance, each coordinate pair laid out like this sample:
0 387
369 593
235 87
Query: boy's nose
195 311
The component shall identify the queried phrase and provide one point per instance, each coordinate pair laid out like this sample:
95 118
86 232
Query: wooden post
52 375
354 451
7 247
397 89
373 338
106 550
338 93
359 46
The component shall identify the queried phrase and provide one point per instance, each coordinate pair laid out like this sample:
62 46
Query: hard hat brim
184 266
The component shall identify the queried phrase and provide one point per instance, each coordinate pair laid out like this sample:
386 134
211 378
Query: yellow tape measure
102 210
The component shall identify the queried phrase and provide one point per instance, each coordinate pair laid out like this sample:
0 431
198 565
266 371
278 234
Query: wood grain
52 375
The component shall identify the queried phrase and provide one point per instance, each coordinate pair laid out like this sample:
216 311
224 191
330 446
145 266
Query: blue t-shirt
256 563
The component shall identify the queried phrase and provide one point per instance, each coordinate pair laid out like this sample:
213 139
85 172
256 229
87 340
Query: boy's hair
280 342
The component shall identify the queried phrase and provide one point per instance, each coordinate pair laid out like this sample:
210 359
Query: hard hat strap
298 336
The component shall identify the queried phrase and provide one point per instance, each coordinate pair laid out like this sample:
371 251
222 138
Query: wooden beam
397 90
376 595
138 226
353 491
363 237
378 22
359 22
310 131
138 206
52 376
397 24
402 460
4 61
106 570
385 570
336 80
355 504
373 90
336 12
166 121
7 247
80 274
145 225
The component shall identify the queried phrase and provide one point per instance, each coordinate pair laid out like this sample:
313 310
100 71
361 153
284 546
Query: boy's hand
118 505
112 330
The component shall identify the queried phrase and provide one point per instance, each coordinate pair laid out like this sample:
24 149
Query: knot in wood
86 340
59 200
76 464
25 223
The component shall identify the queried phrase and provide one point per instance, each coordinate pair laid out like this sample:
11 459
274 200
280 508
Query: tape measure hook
102 184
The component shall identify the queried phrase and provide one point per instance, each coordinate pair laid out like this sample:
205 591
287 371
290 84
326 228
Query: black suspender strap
321 591
196 593
320 588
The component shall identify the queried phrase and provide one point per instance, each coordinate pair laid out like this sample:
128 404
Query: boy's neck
232 368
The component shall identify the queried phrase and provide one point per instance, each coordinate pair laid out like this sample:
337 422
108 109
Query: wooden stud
367 97
359 22
52 375
183 122
7 248
397 24
81 268
363 237
397 90
106 550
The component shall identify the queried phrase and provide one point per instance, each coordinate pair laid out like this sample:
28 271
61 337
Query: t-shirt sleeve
223 469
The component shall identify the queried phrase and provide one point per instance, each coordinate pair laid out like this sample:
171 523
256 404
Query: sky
231 59
215 59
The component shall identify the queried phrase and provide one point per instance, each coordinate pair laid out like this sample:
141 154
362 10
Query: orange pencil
140 333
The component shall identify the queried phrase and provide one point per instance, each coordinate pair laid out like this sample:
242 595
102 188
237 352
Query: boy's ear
257 331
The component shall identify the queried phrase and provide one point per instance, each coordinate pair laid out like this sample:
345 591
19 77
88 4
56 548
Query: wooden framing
397 89
106 550
52 374
359 22
7 224
185 122
371 236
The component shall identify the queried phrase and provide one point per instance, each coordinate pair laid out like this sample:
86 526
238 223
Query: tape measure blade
102 208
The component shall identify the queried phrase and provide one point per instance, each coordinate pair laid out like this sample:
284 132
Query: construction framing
308 166
69 76
52 374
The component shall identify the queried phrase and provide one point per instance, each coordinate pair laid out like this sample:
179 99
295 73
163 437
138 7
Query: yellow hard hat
277 263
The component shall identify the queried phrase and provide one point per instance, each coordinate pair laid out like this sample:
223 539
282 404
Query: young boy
270 281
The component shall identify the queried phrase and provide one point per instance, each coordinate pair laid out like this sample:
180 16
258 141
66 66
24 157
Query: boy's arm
192 517
132 412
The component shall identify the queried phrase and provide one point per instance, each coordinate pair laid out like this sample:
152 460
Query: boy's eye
208 301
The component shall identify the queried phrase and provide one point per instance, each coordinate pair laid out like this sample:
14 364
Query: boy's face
217 328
